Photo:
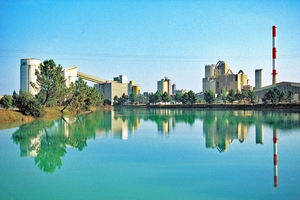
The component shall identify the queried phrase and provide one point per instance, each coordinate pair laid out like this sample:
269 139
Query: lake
154 154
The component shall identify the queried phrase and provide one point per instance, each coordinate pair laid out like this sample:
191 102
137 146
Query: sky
148 40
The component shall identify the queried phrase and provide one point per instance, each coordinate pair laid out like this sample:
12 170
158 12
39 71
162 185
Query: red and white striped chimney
274 72
275 156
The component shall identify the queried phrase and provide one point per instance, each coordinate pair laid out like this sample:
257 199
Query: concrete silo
27 74
209 71
258 78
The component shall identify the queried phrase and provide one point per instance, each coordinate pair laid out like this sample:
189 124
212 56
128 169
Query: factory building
27 74
219 77
283 86
164 85
70 75
117 87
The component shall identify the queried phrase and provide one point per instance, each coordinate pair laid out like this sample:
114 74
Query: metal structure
274 51
90 78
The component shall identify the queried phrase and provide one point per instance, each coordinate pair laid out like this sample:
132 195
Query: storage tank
258 78
27 74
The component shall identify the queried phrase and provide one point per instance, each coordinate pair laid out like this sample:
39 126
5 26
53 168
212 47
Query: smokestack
275 156
274 72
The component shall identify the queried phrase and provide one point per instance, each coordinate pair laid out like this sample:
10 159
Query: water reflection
48 142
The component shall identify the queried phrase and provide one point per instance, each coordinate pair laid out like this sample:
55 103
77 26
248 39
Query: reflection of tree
50 153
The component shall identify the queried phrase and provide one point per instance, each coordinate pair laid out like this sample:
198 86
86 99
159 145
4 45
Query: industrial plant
110 88
217 77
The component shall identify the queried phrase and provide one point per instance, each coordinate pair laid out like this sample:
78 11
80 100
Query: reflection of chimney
275 157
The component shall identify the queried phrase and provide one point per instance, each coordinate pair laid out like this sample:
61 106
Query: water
154 154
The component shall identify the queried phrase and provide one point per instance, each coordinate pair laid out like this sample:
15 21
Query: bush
27 104
6 101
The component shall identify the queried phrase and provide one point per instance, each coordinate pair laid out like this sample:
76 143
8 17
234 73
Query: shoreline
13 118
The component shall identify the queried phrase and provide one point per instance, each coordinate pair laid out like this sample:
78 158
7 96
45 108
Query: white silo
27 74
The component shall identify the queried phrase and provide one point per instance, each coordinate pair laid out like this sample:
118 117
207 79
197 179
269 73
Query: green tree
178 97
251 96
157 97
290 96
6 101
224 96
191 97
50 83
231 96
133 98
27 104
209 97
185 98
165 97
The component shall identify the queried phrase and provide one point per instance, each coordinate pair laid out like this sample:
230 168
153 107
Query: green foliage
275 96
209 97
6 101
27 104
178 97
107 102
133 98
289 96
191 97
165 97
185 99
50 83
251 96
231 96
224 96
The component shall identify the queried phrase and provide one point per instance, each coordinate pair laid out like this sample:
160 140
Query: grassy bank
12 118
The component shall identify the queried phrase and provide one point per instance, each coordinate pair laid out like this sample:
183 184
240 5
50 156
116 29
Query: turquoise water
153 154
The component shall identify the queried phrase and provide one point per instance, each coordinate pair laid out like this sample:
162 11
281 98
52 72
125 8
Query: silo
209 71
173 88
258 78
27 74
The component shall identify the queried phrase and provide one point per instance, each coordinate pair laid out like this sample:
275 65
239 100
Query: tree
27 104
178 97
50 83
224 96
209 97
123 98
132 98
6 101
165 97
157 96
191 97
231 96
251 96
290 96
185 98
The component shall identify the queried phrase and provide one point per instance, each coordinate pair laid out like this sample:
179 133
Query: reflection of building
259 133
219 77
221 132
27 74
30 148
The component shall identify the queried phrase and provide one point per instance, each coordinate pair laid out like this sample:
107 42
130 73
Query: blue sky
147 40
